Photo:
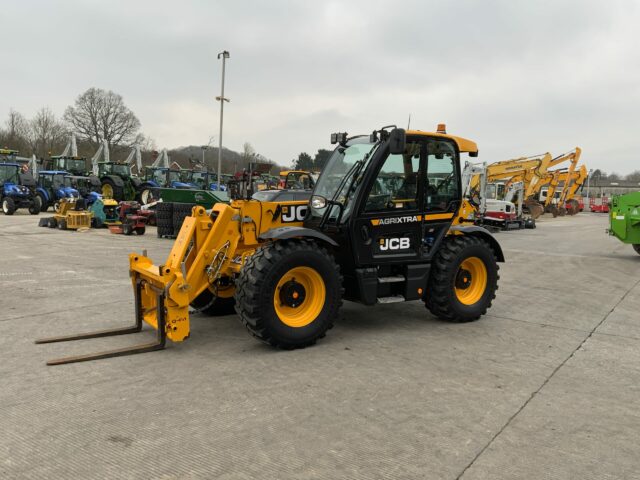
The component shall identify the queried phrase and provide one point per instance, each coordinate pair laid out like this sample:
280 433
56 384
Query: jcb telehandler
386 222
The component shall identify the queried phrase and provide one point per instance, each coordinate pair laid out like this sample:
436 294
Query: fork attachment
159 344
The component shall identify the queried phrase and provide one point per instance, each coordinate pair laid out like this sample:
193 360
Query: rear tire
44 206
288 293
62 224
53 223
36 206
8 206
127 229
140 230
452 294
111 190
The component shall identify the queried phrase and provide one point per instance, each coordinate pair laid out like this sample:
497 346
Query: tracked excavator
564 203
386 222
528 170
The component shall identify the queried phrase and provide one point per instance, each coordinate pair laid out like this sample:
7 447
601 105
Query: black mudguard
484 234
282 233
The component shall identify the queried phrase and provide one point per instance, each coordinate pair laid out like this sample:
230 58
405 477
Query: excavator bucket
535 209
573 207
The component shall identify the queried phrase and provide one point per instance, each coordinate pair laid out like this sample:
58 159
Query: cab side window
441 182
396 186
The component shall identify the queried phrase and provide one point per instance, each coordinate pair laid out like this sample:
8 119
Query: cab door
388 227
442 192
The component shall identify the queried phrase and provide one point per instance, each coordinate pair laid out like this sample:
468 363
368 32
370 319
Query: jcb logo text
294 213
395 243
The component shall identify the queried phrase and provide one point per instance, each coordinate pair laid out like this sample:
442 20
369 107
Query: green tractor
69 163
624 219
117 181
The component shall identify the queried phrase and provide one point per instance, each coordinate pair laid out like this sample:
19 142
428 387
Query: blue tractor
53 186
17 190
161 177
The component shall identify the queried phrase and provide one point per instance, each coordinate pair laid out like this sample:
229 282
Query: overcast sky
518 77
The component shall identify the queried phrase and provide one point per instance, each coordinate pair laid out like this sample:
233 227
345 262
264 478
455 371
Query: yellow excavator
544 176
565 202
385 223
528 170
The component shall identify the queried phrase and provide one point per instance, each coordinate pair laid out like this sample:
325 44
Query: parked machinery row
513 193
125 217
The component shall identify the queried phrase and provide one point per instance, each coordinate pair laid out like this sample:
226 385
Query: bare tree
16 132
46 133
633 176
99 114
247 156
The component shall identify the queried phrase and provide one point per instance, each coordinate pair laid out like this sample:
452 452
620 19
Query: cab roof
464 145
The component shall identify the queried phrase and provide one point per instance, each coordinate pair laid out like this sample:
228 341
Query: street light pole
224 54
588 183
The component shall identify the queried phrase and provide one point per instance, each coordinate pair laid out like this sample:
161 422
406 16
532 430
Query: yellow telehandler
385 223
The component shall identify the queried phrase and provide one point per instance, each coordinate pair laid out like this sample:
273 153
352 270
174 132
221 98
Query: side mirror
397 141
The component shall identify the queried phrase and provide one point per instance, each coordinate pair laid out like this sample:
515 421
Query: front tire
8 206
288 293
463 279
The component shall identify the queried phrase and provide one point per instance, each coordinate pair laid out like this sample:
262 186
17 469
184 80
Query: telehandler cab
386 222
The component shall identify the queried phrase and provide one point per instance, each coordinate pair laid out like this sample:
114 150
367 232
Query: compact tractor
53 186
17 190
284 262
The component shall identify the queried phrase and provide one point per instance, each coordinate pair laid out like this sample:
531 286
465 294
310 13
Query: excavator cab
386 223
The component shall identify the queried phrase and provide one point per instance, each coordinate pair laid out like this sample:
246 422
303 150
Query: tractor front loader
386 223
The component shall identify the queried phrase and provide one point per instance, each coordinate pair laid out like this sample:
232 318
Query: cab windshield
342 175
174 176
197 178
116 168
58 180
9 173
75 165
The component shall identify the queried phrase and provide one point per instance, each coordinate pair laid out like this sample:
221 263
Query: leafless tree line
98 115
95 115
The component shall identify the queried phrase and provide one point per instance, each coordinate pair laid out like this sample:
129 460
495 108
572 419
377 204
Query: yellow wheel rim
107 191
299 297
471 281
